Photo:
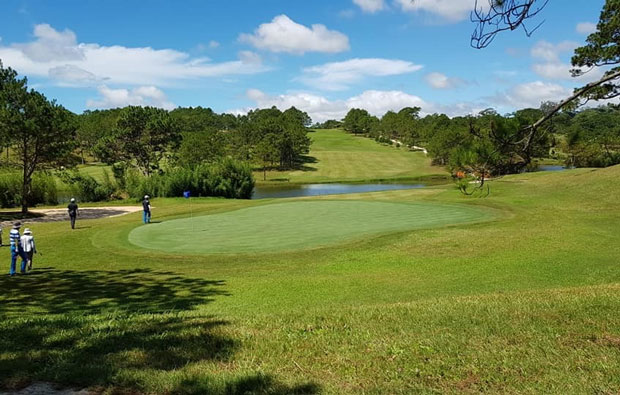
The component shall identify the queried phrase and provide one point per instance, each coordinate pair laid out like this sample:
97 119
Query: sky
321 56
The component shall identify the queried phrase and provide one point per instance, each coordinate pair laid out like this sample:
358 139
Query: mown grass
339 156
525 303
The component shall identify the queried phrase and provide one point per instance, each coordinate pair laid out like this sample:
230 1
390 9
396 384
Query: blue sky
323 56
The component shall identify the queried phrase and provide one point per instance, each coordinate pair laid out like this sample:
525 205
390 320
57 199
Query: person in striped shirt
16 249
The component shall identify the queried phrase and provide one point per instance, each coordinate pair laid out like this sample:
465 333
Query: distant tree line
485 143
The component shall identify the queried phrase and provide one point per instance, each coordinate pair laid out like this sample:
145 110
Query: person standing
16 249
146 208
28 246
72 208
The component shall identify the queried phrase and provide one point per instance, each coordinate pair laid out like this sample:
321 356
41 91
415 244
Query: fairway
296 225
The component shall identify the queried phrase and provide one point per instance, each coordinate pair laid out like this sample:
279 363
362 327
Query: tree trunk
25 190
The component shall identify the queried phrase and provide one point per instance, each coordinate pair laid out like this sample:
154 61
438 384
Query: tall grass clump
86 188
43 189
227 178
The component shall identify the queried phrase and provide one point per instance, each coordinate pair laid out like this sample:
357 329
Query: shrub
43 190
227 178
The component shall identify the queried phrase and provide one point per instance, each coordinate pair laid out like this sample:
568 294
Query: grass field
339 156
524 302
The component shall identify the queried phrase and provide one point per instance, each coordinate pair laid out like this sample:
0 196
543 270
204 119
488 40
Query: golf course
403 291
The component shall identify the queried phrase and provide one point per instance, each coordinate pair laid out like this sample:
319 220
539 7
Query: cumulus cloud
586 28
448 10
51 45
553 67
58 55
140 96
370 6
531 94
551 52
441 81
283 34
340 75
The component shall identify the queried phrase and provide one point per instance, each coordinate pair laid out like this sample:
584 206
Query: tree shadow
52 291
254 384
118 331
88 327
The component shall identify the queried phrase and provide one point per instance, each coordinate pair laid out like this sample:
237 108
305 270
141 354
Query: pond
552 168
287 191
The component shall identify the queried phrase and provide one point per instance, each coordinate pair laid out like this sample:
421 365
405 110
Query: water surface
286 191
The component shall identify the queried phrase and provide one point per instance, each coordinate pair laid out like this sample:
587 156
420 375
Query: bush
227 178
86 188
43 190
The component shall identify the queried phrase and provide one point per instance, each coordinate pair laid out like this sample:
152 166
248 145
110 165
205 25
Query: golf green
296 225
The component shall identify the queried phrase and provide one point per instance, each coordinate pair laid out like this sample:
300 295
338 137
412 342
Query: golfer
16 249
72 208
146 207
28 246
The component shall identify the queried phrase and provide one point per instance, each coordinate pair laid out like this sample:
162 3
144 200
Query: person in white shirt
27 242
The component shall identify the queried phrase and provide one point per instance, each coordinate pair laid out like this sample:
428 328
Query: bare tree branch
502 15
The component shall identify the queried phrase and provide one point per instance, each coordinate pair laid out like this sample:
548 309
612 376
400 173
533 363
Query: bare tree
502 15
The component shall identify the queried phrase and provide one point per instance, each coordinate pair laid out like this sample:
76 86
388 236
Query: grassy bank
339 156
525 303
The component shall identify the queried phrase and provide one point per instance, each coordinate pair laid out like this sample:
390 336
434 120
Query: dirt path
60 214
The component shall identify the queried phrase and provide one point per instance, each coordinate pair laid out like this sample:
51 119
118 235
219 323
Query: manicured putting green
295 225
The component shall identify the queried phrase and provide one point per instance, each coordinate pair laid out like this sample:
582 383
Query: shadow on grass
53 291
255 384
128 331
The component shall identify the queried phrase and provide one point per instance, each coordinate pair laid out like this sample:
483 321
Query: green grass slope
525 303
341 156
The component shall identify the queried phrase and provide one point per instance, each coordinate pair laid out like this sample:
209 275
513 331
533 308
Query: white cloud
213 44
553 67
586 28
51 45
449 10
140 96
551 52
561 71
531 95
70 75
250 57
339 75
285 35
58 55
379 102
441 81
370 6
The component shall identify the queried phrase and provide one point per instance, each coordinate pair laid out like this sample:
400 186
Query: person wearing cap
72 208
146 207
28 246
16 249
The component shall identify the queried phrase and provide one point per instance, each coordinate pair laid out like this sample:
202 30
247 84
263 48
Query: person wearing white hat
16 249
72 208
28 246
146 208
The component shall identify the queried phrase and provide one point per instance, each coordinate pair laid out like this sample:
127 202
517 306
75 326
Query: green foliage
86 188
144 137
227 178
602 49
43 190
41 133
200 147
358 121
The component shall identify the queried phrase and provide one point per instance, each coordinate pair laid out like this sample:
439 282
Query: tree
358 121
200 147
143 136
42 133
502 15
266 152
